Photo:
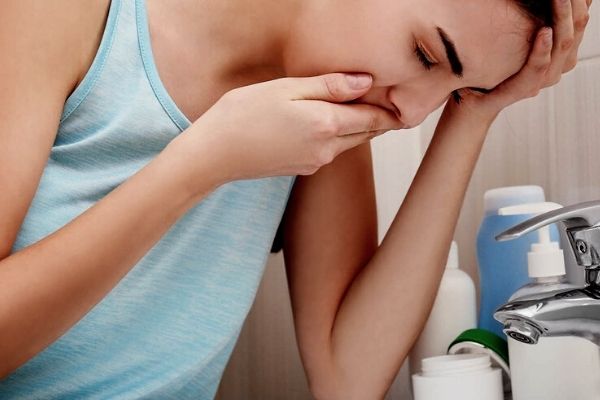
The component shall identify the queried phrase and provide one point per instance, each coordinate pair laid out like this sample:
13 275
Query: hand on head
553 53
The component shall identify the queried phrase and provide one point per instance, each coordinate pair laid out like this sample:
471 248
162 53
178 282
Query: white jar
458 377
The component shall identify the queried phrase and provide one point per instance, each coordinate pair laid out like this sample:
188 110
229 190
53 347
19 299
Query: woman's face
418 52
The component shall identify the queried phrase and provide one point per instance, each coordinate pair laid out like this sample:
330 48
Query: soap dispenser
545 370
545 260
503 266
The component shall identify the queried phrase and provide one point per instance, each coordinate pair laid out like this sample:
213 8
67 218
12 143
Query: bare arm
387 303
111 237
46 47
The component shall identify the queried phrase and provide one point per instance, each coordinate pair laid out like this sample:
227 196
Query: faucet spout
572 312
567 312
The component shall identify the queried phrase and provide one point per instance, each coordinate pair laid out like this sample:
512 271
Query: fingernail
548 36
358 81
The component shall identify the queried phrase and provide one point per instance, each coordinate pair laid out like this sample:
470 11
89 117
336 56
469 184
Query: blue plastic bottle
503 265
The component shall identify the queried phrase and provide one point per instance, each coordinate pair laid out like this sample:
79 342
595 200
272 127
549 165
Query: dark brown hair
539 11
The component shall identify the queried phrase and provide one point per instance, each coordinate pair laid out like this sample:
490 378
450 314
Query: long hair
539 11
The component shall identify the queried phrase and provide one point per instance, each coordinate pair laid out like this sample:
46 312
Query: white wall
396 157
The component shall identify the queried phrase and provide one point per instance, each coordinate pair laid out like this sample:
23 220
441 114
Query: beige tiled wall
552 140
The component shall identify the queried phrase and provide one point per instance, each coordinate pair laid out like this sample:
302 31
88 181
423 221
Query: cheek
408 73
428 86
400 73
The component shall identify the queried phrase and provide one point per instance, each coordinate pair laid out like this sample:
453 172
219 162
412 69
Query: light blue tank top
167 330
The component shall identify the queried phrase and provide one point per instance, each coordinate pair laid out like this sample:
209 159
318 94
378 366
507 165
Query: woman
134 239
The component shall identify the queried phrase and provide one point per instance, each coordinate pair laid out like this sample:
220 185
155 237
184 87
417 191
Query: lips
398 114
395 109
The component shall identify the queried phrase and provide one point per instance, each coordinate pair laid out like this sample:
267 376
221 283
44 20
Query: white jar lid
455 364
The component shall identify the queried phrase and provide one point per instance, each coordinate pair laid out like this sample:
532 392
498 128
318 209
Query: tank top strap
91 77
159 89
123 61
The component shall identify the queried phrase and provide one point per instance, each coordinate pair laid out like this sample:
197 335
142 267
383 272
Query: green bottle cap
485 338
483 341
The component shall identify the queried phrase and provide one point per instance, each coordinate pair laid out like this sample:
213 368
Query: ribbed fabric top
167 330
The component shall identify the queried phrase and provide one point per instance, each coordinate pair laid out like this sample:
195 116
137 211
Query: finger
529 80
563 27
347 119
564 38
346 142
334 87
581 17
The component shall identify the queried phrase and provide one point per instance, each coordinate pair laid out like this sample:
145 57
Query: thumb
334 87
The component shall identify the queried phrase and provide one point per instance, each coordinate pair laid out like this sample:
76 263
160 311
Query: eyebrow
455 63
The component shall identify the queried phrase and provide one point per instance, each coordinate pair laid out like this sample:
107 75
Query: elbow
322 388
323 392
337 391
325 387
347 394
329 380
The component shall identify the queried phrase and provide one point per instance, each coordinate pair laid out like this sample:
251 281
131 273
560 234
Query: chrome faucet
570 312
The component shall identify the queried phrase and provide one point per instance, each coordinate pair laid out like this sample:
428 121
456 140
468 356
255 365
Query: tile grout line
588 59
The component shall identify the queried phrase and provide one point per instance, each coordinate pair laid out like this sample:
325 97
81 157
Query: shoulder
58 37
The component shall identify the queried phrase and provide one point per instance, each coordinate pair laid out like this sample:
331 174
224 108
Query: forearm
48 286
388 302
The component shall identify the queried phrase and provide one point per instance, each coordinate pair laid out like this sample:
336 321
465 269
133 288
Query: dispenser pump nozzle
544 235
545 258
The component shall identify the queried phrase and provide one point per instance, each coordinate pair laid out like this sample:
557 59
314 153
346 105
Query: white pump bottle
453 312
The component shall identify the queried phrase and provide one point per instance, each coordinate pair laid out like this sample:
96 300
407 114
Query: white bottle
453 312
556 368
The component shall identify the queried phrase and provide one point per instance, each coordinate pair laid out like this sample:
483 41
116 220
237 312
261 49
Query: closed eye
481 90
422 56
458 98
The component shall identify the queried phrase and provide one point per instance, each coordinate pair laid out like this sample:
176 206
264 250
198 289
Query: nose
411 104
415 107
